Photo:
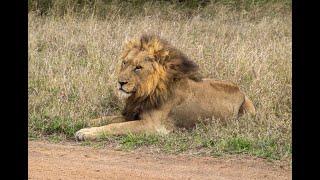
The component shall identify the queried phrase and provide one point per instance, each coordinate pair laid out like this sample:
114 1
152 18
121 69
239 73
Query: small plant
132 141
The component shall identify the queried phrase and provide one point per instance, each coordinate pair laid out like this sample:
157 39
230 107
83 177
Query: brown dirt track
71 161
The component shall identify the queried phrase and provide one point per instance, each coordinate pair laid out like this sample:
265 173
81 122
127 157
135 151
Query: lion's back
206 99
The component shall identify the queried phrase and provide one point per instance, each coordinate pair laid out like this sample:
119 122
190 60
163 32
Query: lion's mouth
127 92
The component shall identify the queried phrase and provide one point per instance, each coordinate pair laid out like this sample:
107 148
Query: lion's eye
137 68
124 63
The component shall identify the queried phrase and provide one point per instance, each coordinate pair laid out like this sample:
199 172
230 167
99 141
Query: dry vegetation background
73 59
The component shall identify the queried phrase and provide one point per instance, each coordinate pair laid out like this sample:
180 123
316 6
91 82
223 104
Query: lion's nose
122 83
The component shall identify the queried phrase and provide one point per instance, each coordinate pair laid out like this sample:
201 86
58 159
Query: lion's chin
124 95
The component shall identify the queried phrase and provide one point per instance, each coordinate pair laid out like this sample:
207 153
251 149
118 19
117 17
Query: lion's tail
247 107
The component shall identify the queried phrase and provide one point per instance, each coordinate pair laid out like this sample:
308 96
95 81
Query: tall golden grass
72 66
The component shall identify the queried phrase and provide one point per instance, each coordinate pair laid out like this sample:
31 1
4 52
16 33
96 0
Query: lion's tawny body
205 99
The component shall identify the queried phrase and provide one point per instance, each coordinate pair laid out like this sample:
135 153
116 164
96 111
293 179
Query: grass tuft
133 141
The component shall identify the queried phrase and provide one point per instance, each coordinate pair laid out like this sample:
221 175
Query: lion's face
149 68
139 73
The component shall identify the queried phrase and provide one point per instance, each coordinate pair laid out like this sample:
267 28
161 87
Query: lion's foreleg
105 120
93 133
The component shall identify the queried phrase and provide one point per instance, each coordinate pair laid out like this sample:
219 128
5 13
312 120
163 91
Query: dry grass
72 74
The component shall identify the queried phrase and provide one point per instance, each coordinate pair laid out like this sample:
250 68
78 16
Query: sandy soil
71 161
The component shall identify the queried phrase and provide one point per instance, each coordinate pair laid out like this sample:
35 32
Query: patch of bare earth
71 161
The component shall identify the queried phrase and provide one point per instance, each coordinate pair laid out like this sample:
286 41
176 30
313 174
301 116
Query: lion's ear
161 56
181 67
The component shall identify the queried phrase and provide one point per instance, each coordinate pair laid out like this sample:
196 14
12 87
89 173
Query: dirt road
71 161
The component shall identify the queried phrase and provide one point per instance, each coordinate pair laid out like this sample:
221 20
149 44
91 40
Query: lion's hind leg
247 107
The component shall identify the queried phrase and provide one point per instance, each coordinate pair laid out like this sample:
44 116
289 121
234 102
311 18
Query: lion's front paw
87 134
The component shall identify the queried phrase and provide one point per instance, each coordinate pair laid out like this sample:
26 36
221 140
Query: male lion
163 91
